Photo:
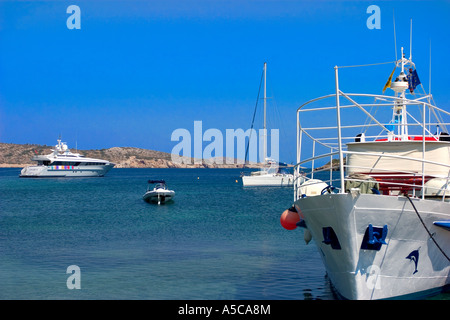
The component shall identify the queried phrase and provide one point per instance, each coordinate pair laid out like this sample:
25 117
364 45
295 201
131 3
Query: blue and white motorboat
159 193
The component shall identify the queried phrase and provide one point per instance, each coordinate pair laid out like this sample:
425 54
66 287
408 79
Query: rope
367 65
429 233
253 120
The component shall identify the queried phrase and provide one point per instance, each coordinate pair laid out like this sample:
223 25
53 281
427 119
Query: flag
388 83
413 80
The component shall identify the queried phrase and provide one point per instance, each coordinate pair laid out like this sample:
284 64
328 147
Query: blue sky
138 70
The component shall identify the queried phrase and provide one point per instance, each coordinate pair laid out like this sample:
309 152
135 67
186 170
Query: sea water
216 240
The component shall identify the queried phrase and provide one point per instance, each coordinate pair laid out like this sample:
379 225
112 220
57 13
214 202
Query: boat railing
320 150
392 182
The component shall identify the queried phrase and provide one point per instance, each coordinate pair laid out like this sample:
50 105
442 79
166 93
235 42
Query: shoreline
20 155
183 166
13 165
16 166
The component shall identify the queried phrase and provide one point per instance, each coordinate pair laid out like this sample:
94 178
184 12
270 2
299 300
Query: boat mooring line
429 233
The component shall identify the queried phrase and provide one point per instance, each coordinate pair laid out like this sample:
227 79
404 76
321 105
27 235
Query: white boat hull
271 180
159 196
408 265
65 171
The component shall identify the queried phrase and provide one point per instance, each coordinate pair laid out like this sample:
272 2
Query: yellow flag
388 83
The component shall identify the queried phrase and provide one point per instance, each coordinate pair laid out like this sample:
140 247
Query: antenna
410 43
429 81
395 37
265 130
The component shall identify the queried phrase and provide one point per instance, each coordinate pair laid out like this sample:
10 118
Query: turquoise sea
216 241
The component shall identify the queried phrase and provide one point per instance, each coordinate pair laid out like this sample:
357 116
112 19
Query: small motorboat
159 194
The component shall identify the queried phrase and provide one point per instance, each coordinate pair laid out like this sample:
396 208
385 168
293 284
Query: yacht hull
64 171
270 180
409 264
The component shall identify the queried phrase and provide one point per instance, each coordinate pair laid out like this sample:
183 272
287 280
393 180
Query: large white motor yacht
63 163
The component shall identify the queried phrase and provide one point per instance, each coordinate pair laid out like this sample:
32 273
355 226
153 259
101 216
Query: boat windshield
160 186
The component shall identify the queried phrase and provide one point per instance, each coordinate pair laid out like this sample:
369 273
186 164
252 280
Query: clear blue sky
138 70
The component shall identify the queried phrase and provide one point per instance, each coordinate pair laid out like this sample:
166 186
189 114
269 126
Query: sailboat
272 173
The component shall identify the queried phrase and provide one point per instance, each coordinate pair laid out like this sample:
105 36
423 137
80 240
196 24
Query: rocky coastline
19 155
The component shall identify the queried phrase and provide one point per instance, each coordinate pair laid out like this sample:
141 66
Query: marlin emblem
414 256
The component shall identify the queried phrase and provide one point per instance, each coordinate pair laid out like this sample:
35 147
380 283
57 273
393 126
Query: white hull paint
407 265
50 172
159 195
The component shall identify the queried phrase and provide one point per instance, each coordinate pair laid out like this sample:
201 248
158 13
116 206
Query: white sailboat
380 223
272 174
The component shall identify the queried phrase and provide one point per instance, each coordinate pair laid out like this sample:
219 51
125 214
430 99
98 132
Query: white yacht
381 221
272 174
63 163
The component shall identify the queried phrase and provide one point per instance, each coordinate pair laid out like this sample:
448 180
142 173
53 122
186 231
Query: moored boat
273 173
62 163
159 193
379 214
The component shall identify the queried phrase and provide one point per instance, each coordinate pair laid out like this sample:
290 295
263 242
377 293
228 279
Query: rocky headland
19 155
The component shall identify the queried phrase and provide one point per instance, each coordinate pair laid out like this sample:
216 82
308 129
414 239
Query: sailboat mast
264 127
403 123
